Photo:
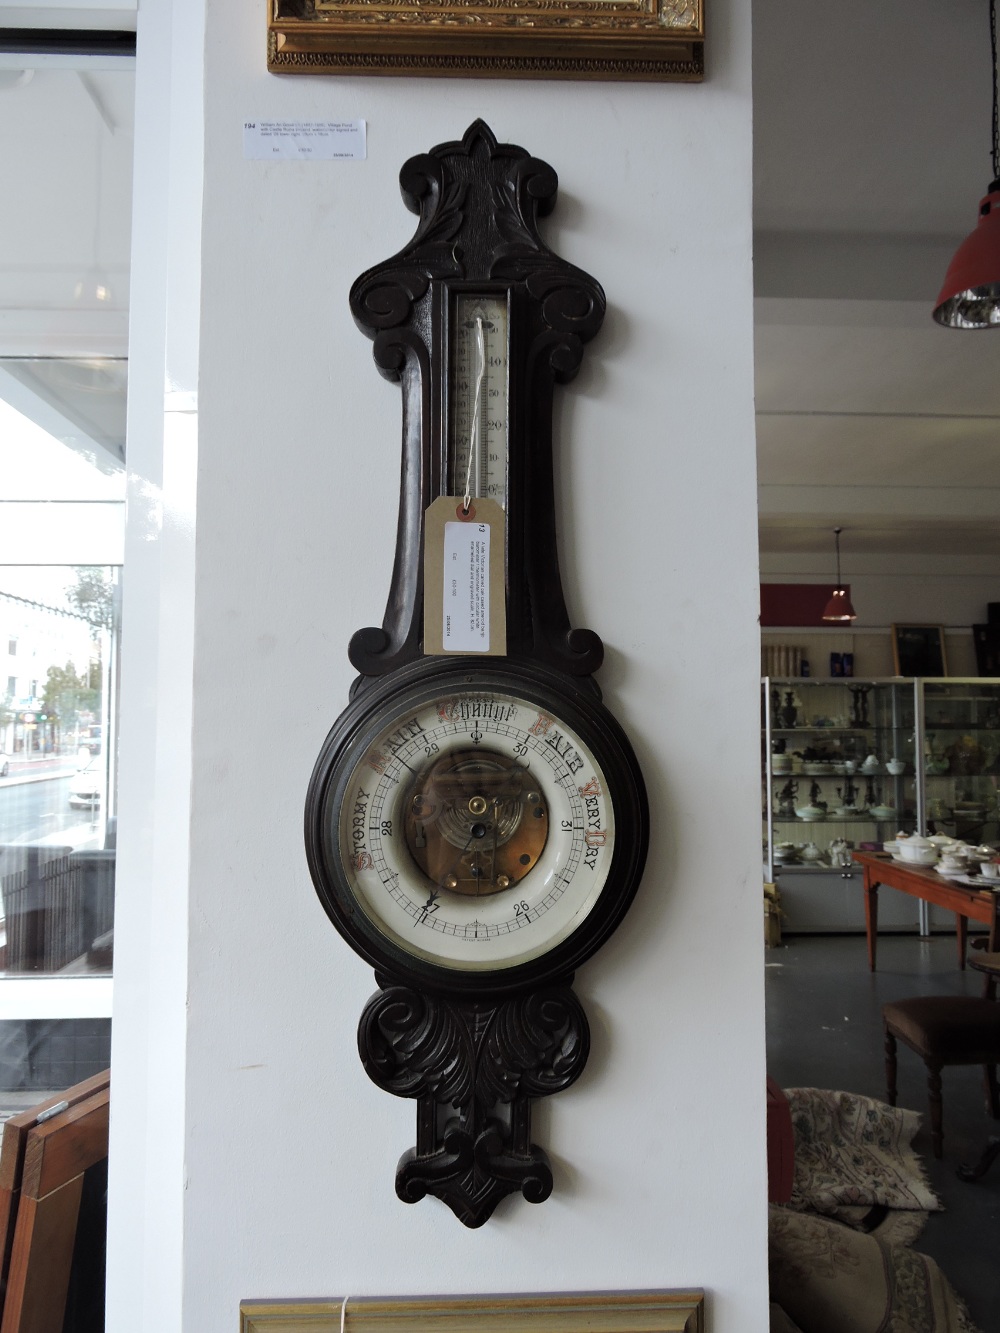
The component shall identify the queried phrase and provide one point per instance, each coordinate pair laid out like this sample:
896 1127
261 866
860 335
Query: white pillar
251 1155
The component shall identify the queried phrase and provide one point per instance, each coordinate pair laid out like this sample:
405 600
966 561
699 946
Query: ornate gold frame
525 39
613 1312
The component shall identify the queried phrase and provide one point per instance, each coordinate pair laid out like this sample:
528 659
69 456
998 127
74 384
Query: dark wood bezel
345 748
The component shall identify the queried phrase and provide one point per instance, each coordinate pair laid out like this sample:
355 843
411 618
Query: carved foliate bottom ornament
473 1067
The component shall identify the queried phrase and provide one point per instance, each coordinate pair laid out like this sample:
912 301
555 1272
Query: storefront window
57 794
66 151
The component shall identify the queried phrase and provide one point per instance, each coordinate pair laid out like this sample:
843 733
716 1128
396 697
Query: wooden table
924 882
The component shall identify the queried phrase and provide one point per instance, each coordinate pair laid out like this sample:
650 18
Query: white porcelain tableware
918 851
895 767
921 858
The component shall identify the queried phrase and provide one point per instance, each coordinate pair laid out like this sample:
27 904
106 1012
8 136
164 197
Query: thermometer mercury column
477 432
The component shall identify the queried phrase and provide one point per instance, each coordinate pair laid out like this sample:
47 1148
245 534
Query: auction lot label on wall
318 140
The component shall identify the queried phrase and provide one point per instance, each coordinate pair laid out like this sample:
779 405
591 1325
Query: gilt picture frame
645 40
587 1312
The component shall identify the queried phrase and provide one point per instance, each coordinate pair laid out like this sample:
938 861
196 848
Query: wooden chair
943 1030
988 963
45 1155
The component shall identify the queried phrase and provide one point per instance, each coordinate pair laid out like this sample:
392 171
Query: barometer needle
496 830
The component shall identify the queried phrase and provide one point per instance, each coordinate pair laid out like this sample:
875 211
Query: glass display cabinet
848 763
839 772
839 767
960 730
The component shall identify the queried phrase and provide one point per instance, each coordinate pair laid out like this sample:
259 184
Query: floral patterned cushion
828 1278
855 1151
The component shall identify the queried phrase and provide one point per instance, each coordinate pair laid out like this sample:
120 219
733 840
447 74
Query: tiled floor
824 1030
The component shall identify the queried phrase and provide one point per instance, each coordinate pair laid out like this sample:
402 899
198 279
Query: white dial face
476 832
477 446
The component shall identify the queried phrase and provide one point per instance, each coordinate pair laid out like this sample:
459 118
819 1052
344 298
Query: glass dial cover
467 822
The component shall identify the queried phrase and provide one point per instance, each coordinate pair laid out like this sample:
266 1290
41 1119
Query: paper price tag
466 621
464 589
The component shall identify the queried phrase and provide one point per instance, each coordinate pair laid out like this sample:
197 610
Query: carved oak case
476 823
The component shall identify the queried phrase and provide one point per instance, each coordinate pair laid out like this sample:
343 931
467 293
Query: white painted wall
948 590
887 589
288 1150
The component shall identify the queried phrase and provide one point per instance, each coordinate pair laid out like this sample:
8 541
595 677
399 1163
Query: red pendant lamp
970 297
838 609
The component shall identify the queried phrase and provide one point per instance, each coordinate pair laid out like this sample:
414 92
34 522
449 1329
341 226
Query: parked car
86 787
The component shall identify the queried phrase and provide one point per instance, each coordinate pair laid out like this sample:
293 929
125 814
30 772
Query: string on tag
343 1312
474 429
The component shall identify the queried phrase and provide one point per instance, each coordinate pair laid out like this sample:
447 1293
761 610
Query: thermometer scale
477 453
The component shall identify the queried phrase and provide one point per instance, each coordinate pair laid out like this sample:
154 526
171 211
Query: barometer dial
469 824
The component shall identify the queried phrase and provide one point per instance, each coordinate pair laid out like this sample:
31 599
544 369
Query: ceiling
66 149
871 130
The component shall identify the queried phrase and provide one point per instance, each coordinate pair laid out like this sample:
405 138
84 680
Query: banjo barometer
476 823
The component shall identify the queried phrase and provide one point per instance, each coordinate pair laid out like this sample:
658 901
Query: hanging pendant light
839 609
970 297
